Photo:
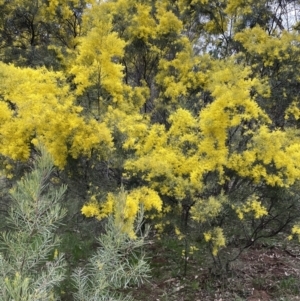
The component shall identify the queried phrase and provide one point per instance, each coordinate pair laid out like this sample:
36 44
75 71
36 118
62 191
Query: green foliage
117 264
290 285
31 266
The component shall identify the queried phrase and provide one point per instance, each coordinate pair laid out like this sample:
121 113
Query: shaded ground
262 273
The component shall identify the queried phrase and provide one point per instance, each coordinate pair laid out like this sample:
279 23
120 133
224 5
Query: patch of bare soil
259 274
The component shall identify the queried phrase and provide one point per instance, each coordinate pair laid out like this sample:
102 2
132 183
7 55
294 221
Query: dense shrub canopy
192 105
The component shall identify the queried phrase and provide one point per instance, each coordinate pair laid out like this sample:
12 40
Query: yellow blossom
90 210
252 205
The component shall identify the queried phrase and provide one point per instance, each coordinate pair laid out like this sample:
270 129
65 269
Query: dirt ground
261 273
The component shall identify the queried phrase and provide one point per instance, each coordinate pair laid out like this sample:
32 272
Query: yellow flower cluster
204 210
99 211
295 231
90 210
251 206
190 251
143 24
178 233
193 249
159 227
277 148
293 110
147 197
239 7
216 239
272 49
45 113
125 207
